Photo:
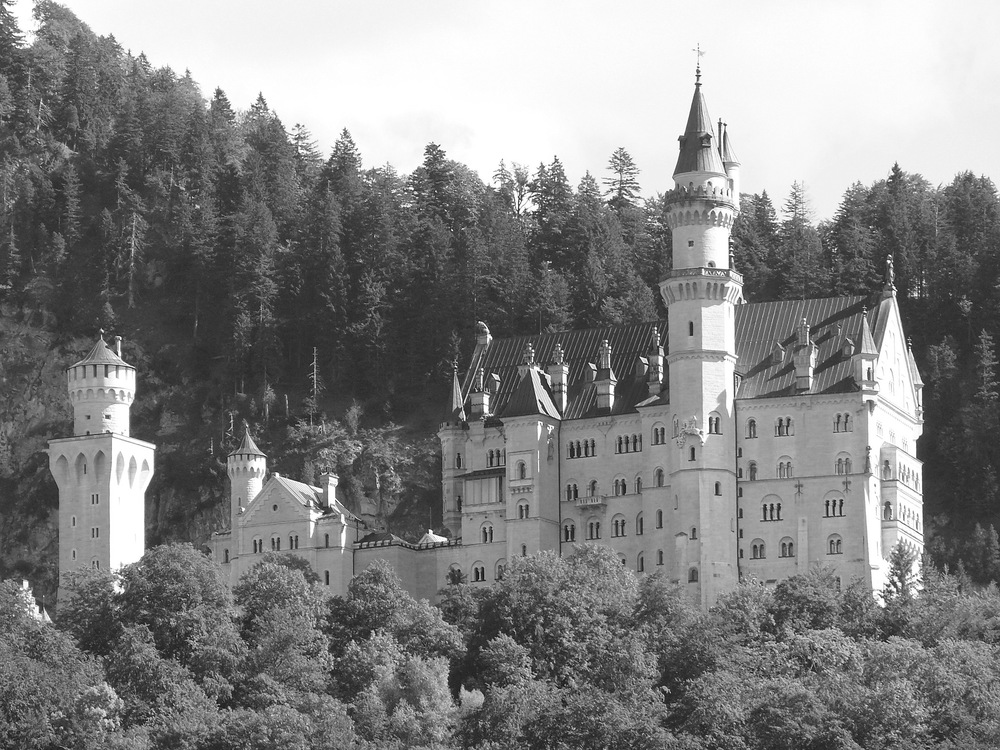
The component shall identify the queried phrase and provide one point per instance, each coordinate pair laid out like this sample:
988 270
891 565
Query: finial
529 354
101 332
697 69
890 274
864 312
454 366
558 357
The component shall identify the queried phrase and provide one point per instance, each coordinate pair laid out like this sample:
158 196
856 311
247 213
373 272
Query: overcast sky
826 93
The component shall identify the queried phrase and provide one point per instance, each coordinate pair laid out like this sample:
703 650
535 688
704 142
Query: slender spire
699 150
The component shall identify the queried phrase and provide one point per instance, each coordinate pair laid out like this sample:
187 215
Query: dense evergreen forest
323 300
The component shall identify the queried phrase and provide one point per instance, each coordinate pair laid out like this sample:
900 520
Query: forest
574 652
323 300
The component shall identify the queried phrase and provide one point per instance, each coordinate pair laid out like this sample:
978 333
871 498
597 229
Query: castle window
638 485
523 510
592 488
459 502
274 507
618 445
693 575
753 471
691 454
95 532
72 521
739 512
225 556
572 449
95 499
787 548
326 577
718 489
659 519
783 427
757 550
659 557
618 526
594 530
714 425
73 554
640 564
690 243
524 550
95 563
572 491
691 328
834 545
458 460
638 525
785 469
569 532
694 532
887 512
658 476
522 470
489 459
677 427
326 540
487 533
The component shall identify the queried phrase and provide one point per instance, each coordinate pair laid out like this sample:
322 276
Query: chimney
558 373
328 483
606 380
654 381
480 397
804 357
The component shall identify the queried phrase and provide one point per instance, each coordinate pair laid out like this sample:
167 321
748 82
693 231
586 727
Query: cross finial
699 53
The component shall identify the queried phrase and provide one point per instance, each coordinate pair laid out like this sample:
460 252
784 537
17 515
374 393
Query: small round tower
246 466
101 388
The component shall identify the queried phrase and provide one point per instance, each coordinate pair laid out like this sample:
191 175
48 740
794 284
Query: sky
823 92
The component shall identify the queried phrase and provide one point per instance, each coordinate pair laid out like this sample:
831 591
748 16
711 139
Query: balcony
591 501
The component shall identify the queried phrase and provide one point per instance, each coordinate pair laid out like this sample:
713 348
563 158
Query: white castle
731 441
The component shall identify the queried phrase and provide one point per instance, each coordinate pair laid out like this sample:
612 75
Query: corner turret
246 466
101 388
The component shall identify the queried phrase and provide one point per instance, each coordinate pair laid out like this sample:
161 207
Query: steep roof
309 496
760 325
580 349
531 397
102 354
248 447
699 149
728 154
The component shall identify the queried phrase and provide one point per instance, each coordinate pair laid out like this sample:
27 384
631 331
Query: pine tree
986 369
623 185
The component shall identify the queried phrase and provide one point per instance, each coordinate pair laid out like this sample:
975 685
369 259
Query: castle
731 441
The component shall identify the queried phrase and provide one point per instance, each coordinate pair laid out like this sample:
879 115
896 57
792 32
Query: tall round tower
246 466
101 389
701 292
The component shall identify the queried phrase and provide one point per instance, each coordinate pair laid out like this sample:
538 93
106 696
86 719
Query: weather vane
699 53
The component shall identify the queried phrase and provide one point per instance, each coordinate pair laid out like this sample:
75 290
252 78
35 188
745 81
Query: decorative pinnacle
697 69
101 333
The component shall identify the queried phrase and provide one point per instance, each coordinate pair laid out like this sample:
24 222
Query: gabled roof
308 496
531 397
102 354
699 150
580 348
760 325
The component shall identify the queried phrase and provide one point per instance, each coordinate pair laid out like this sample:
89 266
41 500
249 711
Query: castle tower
101 472
701 292
246 466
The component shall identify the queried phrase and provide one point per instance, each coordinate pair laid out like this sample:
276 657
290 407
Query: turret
480 397
865 359
804 356
101 388
246 466
654 377
731 163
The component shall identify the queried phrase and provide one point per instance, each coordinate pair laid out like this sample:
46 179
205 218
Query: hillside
324 301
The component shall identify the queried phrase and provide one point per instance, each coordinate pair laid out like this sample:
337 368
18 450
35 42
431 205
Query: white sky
827 92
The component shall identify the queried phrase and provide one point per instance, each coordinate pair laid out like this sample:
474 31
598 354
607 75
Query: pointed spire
558 357
699 149
457 411
247 446
889 290
866 343
728 154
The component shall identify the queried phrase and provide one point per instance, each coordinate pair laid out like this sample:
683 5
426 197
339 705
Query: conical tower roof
248 447
102 354
456 410
699 148
728 154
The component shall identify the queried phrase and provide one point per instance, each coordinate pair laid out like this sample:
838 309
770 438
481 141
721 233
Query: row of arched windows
659 435
833 508
496 457
486 532
582 448
619 487
758 549
843 466
626 444
843 423
771 512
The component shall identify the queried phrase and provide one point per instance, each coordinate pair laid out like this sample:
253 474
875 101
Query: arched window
524 550
225 556
326 577
593 447
677 427
757 550
569 532
638 525
523 510
640 564
714 424
887 511
690 328
834 545
787 547
718 489
638 485
489 458
618 526
572 492
522 470
694 532
658 476
659 557
618 445
659 519
691 454
837 423
848 424
572 449
751 428
592 488
693 575
739 512
753 471
458 460
500 569
586 449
